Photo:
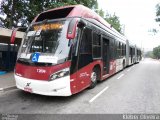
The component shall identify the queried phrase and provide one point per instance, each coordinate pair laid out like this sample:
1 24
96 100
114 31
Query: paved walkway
7 81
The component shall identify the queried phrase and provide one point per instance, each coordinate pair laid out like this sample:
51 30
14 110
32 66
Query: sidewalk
7 82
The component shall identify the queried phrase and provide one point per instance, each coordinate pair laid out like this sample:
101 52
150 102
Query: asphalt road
133 90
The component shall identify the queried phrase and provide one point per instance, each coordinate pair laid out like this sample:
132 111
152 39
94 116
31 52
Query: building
8 48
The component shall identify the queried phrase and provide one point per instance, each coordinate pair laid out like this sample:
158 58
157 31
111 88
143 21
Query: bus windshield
48 39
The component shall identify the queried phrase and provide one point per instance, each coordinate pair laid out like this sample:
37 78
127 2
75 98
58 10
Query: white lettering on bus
41 71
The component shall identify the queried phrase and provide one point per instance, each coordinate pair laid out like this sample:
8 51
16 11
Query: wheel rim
93 77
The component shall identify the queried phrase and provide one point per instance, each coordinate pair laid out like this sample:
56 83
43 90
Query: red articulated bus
66 50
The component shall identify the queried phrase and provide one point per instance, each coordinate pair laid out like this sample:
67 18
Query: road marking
91 100
120 76
129 69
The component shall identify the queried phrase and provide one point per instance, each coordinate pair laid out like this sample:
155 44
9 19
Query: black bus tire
123 65
94 78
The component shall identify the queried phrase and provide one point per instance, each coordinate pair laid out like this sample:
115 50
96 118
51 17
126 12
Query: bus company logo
85 74
41 71
28 84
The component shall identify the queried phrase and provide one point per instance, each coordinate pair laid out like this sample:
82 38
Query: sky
137 17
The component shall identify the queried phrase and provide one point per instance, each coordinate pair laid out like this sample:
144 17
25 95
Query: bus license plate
27 89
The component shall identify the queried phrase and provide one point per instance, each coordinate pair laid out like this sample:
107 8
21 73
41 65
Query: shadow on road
46 99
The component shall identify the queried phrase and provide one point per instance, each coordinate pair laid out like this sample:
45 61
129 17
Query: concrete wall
5 35
8 53
8 32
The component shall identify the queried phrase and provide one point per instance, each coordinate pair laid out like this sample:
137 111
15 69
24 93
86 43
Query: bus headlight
59 74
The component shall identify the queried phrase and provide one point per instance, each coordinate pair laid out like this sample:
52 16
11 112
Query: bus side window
118 50
96 44
112 50
86 42
85 48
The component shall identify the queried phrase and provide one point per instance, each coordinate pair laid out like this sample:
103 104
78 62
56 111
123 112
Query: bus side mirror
71 32
13 35
81 24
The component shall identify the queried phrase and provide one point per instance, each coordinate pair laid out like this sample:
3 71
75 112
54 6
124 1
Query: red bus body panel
31 72
81 79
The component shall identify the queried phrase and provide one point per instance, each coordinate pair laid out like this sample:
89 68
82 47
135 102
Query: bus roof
72 11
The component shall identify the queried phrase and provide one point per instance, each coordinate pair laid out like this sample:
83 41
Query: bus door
83 59
105 55
131 53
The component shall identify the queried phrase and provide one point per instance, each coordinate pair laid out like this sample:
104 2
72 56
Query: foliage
149 54
13 9
24 11
156 52
100 12
154 30
158 12
114 21
111 19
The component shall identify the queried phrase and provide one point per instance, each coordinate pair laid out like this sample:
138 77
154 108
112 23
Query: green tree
100 12
154 30
24 11
158 12
114 21
156 52
111 19
14 11
149 54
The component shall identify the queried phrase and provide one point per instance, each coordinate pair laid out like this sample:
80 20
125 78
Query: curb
8 88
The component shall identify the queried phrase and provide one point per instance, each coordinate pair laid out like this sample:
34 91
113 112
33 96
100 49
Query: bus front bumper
58 87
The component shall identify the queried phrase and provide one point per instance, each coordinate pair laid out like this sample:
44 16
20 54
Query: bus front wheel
94 78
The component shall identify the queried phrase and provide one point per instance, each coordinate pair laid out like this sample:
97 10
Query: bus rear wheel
123 65
94 78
